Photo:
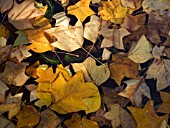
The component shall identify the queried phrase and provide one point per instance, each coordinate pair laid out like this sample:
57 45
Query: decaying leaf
28 116
19 53
113 37
141 52
77 122
147 117
3 89
99 74
12 108
6 5
20 14
120 116
157 52
160 70
92 27
165 106
135 89
121 67
14 73
4 53
81 10
48 119
5 123
74 38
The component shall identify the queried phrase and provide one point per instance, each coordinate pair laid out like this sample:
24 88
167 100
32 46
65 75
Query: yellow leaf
75 95
28 116
81 10
77 122
39 41
147 117
141 52
114 11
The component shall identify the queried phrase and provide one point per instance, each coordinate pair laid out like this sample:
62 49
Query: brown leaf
112 97
121 67
20 14
3 89
14 73
5 5
31 70
77 122
135 89
48 119
19 53
4 53
160 70
28 116
147 117
165 106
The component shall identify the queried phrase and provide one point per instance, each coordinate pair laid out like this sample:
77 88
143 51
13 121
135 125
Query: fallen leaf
77 122
6 5
28 116
4 32
147 117
37 37
19 15
99 74
133 23
152 5
13 99
3 89
95 1
121 67
74 38
126 119
3 41
141 52
14 73
12 108
99 119
61 19
81 10
113 115
165 106
114 11
135 89
113 37
111 97
106 54
4 53
33 92
92 27
48 119
75 95
64 2
21 39
5 123
157 52
160 70
19 53
31 71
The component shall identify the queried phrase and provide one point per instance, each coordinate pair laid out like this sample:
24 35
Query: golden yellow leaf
4 32
77 122
46 76
75 95
121 67
39 41
147 117
81 10
28 116
114 11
